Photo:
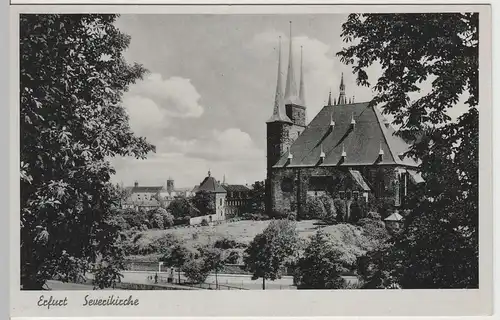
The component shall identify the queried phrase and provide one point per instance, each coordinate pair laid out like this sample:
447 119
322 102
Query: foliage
439 244
330 214
204 222
204 201
176 256
255 216
383 205
358 210
271 250
314 209
226 243
340 206
142 245
195 270
180 208
156 221
72 77
233 257
257 197
320 267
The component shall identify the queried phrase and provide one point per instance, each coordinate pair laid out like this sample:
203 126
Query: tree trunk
263 283
179 275
216 281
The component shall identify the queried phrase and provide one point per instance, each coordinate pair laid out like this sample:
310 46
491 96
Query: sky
211 86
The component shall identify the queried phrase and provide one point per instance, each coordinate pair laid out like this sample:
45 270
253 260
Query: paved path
233 280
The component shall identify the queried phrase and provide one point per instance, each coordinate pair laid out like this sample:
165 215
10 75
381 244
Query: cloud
230 152
176 96
145 116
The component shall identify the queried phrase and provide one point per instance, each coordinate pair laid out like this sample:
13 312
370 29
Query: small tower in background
342 98
170 185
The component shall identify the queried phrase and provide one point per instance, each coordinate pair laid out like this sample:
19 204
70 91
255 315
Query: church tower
295 99
279 125
342 98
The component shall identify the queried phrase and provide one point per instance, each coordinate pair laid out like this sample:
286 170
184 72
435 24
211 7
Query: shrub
195 270
314 209
255 216
204 222
358 211
226 243
233 257
341 209
168 220
157 221
330 216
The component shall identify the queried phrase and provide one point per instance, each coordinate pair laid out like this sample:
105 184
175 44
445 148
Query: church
347 151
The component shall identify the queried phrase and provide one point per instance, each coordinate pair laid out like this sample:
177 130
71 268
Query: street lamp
159 266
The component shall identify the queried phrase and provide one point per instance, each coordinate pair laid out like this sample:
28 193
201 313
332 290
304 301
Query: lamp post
159 266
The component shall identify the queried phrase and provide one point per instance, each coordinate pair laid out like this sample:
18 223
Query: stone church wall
289 187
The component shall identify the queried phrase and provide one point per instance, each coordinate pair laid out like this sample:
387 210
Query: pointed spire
302 92
344 154
209 173
322 153
279 113
291 95
224 179
332 123
330 98
342 98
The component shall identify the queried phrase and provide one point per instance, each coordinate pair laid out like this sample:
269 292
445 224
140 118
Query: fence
206 286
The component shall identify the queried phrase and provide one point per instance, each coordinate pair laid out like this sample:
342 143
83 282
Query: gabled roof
394 217
235 188
210 185
361 143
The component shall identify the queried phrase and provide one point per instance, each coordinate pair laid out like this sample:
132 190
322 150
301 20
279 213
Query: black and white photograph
231 152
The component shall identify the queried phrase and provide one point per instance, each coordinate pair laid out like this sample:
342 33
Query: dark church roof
145 189
362 144
209 184
235 188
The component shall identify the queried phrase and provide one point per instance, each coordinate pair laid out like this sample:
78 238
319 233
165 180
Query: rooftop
355 130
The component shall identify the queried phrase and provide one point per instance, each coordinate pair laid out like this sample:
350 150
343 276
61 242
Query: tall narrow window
397 200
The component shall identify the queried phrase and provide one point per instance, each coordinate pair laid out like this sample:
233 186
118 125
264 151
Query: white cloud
176 96
229 152
145 116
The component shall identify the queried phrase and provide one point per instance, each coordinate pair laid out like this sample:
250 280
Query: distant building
237 199
218 196
152 197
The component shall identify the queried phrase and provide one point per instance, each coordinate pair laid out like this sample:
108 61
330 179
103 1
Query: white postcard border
269 303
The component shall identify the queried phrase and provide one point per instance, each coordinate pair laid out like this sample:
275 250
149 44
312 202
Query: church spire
291 86
279 113
329 98
342 99
302 92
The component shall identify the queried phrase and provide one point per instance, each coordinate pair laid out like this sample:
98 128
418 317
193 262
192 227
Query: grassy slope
241 231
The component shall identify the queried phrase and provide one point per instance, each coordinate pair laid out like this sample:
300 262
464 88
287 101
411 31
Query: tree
270 251
176 256
195 270
180 208
72 77
233 257
257 197
321 266
204 201
439 244
213 260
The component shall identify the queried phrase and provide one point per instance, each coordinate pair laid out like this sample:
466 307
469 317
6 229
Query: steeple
330 98
342 99
279 113
302 93
291 95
